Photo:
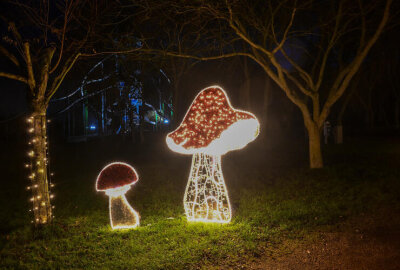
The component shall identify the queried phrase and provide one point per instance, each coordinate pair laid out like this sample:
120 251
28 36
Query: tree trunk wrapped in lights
115 180
210 128
39 174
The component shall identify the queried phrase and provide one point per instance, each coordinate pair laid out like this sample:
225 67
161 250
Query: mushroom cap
212 126
116 175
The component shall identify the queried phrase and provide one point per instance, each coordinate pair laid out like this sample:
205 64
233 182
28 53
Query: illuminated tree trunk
206 197
122 215
314 141
39 173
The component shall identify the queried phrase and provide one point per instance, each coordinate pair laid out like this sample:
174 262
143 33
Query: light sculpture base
122 215
206 197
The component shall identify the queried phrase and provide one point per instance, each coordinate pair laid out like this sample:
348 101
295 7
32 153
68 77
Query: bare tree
43 42
293 41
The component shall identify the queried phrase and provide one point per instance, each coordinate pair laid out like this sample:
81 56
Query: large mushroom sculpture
210 128
115 180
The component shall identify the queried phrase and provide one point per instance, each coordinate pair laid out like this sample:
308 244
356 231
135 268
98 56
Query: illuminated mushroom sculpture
210 128
115 180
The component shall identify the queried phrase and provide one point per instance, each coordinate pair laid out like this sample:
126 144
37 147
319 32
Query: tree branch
9 56
242 35
114 52
335 94
66 18
280 45
44 73
330 46
58 80
29 67
14 77
304 75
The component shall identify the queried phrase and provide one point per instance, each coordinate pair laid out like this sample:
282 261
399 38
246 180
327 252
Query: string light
40 179
206 196
210 128
115 180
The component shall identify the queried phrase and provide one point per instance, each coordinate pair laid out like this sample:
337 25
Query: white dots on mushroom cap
237 136
201 125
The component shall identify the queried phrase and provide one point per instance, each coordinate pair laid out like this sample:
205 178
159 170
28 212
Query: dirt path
365 242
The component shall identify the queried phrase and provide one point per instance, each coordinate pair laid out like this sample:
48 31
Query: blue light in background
92 127
166 121
136 102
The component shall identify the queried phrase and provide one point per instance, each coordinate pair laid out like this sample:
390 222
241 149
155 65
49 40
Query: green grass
273 199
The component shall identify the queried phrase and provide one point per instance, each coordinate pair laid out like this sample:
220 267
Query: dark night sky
12 98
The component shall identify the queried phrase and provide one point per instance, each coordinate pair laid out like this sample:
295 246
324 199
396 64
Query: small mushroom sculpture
210 128
115 180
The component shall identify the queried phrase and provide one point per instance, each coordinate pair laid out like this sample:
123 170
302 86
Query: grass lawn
273 194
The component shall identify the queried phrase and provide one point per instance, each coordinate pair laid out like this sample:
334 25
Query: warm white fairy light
210 128
206 196
38 141
115 180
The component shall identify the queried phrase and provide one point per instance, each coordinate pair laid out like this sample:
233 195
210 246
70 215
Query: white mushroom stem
206 197
122 215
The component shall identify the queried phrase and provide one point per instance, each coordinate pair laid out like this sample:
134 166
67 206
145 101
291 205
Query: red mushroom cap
116 175
209 116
